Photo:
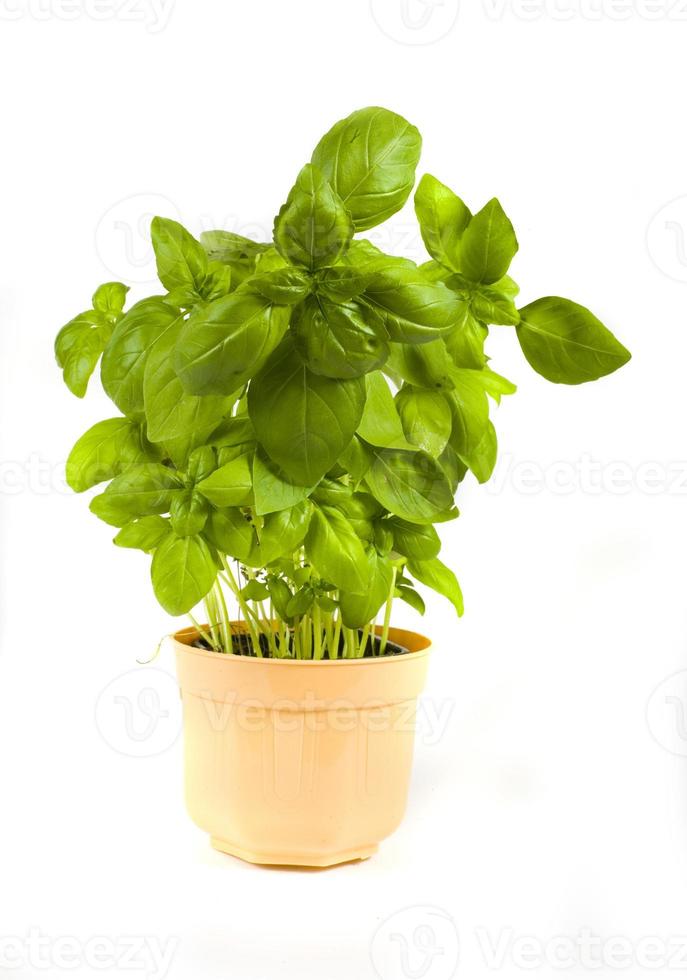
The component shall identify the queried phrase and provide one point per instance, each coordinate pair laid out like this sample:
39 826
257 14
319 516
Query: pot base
282 859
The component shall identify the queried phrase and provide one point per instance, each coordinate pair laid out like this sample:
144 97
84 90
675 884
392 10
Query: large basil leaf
303 420
411 485
380 424
138 492
565 343
335 551
106 450
440 578
125 357
273 490
146 533
183 572
231 485
488 245
171 413
335 339
313 229
443 218
426 418
413 310
181 260
359 609
369 158
223 344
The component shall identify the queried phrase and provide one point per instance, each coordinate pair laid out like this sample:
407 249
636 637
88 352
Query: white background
550 799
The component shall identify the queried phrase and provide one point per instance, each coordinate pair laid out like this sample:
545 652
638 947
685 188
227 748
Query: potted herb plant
294 419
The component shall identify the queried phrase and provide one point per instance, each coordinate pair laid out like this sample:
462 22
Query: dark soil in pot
242 645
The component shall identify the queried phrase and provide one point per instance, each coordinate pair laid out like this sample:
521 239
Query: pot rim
184 637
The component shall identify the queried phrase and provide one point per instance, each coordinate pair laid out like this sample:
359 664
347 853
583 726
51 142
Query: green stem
387 614
247 613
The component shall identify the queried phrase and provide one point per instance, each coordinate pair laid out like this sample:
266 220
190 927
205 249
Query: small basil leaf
425 365
411 485
313 229
286 287
359 609
283 532
231 533
231 485
78 347
439 578
443 218
110 298
106 450
380 424
274 491
335 551
425 417
188 513
181 260
414 541
341 283
488 245
482 459
145 534
138 492
413 310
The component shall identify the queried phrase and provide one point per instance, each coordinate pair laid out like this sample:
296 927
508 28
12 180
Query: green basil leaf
482 459
425 417
417 542
470 412
313 229
359 609
255 591
181 260
369 158
341 283
273 489
228 247
491 306
565 343
236 431
443 218
231 485
356 459
303 420
439 578
281 596
217 283
106 450
110 298
465 342
78 347
335 340
488 245
380 424
283 532
413 310
183 572
231 533
201 463
286 287
145 534
171 413
138 492
301 602
425 365
188 513
410 485
335 551
225 343
411 597
496 385
125 357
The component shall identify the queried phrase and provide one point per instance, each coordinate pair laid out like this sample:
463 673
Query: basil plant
294 417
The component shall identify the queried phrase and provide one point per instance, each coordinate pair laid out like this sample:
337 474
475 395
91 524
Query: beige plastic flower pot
297 762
